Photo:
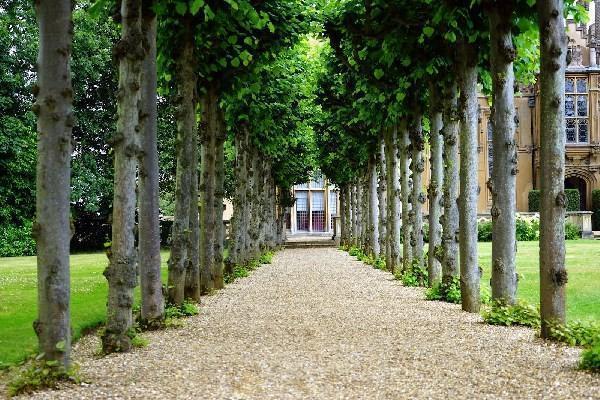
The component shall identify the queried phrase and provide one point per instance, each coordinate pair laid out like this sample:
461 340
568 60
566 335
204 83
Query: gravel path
317 324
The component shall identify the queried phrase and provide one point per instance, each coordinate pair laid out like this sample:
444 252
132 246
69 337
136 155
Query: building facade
317 203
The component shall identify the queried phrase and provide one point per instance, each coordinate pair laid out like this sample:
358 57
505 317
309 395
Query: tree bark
354 200
394 201
207 190
469 189
366 215
186 131
359 213
553 273
373 208
403 144
240 201
417 196
219 282
52 229
450 225
153 302
121 272
434 268
383 206
342 215
192 273
504 149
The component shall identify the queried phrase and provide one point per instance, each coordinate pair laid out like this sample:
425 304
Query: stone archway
576 182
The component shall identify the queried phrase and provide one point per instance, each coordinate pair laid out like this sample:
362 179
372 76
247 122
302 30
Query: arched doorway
575 182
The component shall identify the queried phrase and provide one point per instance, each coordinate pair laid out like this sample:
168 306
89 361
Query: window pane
318 203
583 130
302 186
582 108
571 134
302 201
570 106
582 85
570 85
333 203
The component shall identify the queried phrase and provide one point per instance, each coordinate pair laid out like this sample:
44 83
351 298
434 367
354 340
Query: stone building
582 112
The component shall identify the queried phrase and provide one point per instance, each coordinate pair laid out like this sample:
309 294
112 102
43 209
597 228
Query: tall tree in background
504 173
153 303
121 272
553 273
469 187
450 268
435 185
186 129
52 228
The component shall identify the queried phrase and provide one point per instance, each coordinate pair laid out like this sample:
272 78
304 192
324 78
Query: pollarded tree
52 228
121 272
153 303
553 274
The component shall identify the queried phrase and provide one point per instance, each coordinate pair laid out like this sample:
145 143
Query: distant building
317 202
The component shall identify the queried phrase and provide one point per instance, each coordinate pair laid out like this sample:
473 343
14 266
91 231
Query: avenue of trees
214 64
239 99
406 75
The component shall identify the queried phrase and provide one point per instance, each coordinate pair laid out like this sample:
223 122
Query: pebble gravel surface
317 324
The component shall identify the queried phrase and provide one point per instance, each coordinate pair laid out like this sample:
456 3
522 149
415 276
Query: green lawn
18 290
583 267
18 300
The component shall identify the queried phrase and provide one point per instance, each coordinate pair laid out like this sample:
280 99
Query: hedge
596 209
573 200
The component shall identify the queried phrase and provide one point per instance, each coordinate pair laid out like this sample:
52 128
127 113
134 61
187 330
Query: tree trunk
354 201
207 190
192 274
186 130
342 215
553 273
394 201
52 229
417 196
504 149
373 208
383 206
359 213
348 212
366 216
434 268
219 282
153 302
121 272
450 233
404 157
469 189
240 202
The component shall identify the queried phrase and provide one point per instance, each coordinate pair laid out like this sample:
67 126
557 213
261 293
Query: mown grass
583 267
18 305
18 300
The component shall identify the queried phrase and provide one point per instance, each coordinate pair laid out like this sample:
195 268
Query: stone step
309 244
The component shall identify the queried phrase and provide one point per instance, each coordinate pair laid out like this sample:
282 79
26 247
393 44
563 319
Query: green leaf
378 73
428 31
195 6
181 8
271 27
60 346
235 62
